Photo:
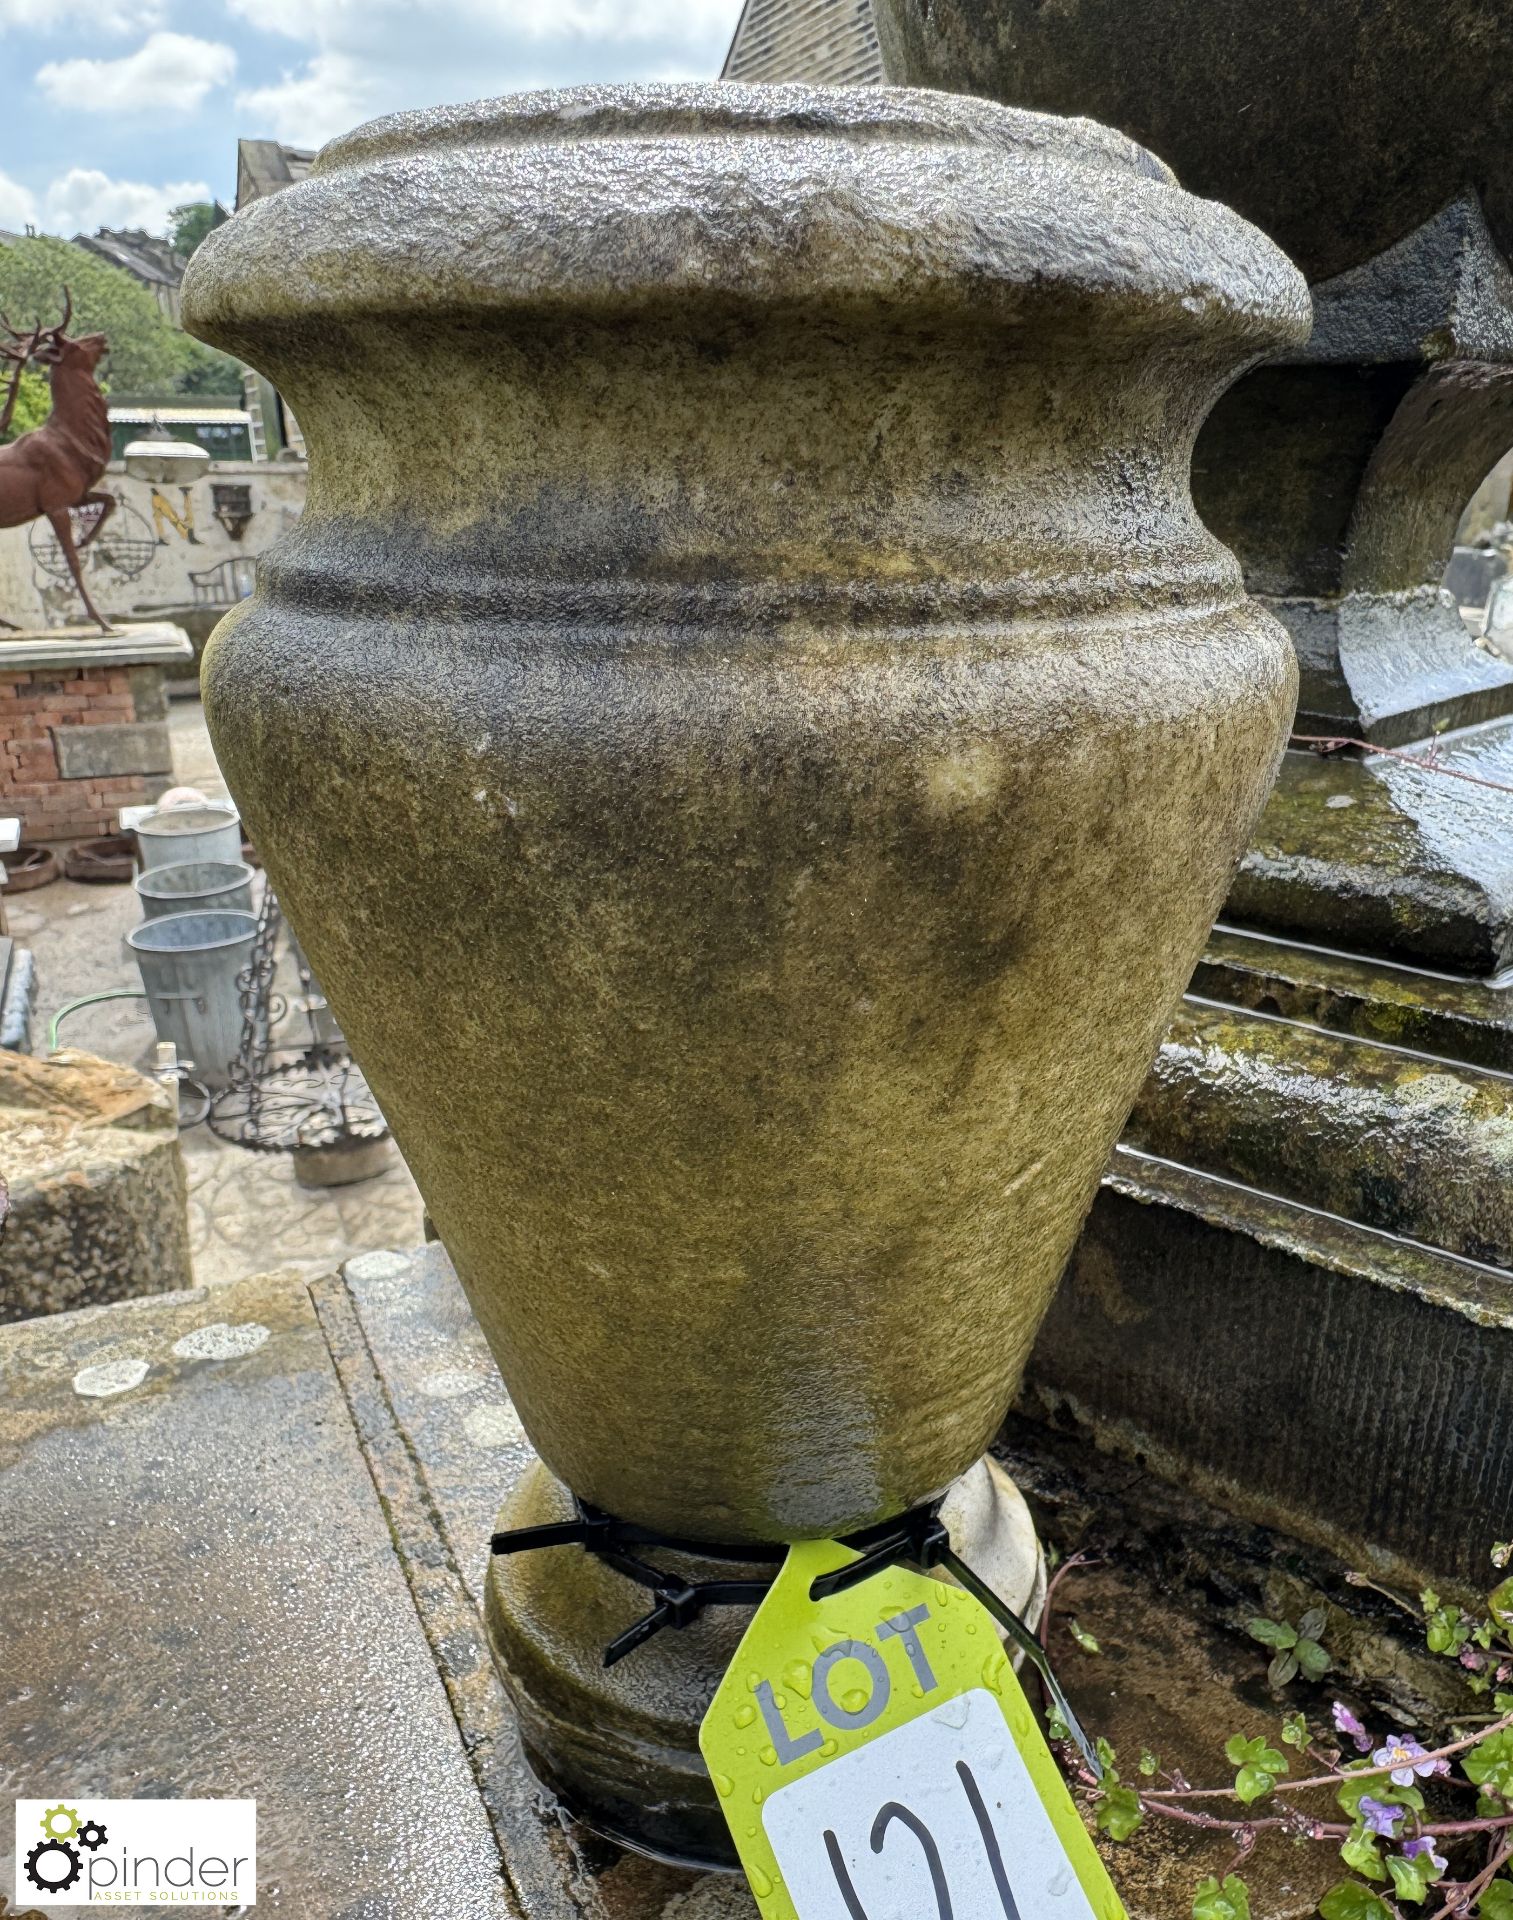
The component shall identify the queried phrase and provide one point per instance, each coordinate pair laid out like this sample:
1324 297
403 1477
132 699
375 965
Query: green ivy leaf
1363 1852
1353 1788
1272 1633
1150 1766
1119 1813
1349 1900
1295 1731
1497 1902
1108 1759
1312 1624
1228 1902
1491 1763
1489 1807
1428 1600
1412 1879
1500 1604
1313 1659
1083 1638
1258 1766
1448 1630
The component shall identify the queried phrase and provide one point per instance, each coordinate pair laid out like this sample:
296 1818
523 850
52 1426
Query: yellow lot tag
877 1760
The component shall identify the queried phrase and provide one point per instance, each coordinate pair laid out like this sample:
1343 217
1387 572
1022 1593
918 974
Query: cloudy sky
112 111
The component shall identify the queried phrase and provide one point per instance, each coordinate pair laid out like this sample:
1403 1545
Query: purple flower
1379 1817
1406 1758
1346 1722
1413 1848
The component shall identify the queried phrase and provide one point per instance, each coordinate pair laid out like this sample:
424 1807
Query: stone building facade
833 42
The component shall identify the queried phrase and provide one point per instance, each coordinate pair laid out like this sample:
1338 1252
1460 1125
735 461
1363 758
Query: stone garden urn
751 733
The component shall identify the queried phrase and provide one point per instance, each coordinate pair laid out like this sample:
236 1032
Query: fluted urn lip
607 201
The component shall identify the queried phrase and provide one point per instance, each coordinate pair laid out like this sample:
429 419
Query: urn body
751 734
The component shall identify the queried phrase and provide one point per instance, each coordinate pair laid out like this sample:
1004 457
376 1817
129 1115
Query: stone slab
1378 857
1234 1340
90 1150
1417 1147
1391 667
202 1597
123 646
1432 1013
107 750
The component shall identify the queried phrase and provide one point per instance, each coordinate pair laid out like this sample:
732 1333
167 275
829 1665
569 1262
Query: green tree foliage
33 403
188 225
147 353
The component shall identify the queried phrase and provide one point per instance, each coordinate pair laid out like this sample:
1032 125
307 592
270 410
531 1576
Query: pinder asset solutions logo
78 1852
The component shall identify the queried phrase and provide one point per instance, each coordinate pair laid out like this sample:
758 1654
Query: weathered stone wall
140 566
98 1208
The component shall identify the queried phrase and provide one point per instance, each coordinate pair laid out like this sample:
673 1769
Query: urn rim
707 197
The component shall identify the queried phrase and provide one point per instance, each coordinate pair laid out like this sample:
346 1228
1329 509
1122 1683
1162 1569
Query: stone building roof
263 166
145 256
831 42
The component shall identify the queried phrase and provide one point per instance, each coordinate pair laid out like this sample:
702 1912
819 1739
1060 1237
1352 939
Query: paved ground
245 1545
247 1214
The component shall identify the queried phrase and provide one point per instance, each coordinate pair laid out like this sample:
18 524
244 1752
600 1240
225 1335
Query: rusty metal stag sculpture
56 468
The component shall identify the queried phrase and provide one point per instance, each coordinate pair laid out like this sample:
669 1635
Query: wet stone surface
245 1539
1380 857
201 1599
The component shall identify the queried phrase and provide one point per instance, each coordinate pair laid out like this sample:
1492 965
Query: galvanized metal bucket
189 964
195 886
173 835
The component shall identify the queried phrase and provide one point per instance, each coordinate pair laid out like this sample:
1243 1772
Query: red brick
37 762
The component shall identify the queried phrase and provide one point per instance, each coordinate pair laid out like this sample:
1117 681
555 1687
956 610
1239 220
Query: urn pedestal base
620 1745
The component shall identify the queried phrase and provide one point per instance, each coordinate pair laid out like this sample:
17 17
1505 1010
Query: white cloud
325 97
83 199
18 206
325 21
375 56
168 70
99 16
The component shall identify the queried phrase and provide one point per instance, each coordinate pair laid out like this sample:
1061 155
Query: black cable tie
919 1539
922 1540
554 1533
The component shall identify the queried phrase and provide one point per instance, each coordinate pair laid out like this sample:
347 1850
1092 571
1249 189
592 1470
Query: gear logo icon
92 1835
60 1822
52 1866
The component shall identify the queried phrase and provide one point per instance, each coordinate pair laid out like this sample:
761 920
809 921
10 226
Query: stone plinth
98 1210
84 725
